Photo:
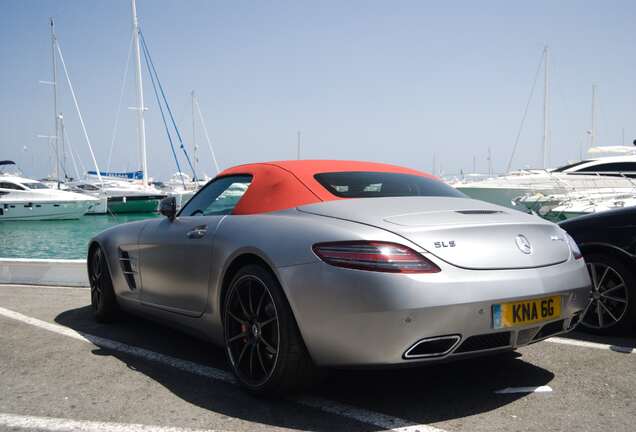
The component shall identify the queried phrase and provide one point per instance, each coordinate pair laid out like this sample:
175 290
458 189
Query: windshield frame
572 165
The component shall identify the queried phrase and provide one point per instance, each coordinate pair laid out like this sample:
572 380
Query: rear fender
605 248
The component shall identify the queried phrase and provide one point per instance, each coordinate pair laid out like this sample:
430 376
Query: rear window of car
357 184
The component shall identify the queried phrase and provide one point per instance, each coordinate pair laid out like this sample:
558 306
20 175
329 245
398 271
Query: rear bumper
361 318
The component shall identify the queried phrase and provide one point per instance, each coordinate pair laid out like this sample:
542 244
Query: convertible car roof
284 184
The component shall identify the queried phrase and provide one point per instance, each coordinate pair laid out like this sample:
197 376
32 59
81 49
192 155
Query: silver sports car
298 265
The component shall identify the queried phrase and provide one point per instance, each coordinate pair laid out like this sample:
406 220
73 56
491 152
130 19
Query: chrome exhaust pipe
432 347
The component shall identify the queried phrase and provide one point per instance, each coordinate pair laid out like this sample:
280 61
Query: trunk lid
464 232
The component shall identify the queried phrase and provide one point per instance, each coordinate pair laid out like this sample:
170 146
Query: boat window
7 185
87 187
218 197
572 165
36 185
612 167
383 184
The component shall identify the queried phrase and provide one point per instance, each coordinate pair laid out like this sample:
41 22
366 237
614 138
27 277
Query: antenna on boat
140 108
546 114
623 137
60 119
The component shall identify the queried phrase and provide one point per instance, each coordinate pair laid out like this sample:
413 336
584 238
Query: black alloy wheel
262 340
610 308
252 331
102 294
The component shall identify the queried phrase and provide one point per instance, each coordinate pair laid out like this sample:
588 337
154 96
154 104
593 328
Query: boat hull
43 210
134 204
100 207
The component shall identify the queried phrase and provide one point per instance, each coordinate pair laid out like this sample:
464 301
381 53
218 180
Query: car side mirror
168 207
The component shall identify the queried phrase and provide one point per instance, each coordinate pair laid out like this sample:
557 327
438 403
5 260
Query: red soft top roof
284 184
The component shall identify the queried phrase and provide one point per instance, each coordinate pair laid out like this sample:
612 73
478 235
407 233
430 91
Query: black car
608 243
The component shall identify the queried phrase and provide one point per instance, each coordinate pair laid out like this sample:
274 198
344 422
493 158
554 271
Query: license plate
525 311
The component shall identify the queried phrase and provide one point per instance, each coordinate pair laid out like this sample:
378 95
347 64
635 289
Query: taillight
576 252
374 256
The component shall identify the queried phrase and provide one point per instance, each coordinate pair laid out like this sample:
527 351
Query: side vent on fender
128 268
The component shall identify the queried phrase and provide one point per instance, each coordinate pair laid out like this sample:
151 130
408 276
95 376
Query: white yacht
25 199
616 174
81 187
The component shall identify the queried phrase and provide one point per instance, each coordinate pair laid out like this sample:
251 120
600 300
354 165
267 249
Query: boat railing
594 194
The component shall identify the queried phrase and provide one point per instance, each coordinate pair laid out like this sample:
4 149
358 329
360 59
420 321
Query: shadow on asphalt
420 395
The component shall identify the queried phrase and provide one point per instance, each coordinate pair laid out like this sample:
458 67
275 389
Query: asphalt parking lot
59 370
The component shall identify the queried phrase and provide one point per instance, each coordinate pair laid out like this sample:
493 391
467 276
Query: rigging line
165 99
79 113
71 152
163 116
525 112
207 136
77 155
121 99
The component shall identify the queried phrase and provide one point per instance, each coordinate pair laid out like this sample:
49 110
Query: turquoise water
57 239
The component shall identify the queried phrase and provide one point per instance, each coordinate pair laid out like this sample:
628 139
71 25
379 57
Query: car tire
262 341
611 309
103 300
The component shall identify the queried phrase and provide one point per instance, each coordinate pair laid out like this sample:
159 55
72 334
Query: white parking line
540 389
596 345
66 425
60 287
362 415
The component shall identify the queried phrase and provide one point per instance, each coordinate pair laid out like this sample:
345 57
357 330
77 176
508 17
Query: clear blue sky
370 80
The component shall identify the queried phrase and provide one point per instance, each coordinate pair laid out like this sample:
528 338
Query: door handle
198 232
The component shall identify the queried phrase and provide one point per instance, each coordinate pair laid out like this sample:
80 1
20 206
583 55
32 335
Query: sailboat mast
593 130
546 98
298 146
55 117
141 126
62 144
195 147
434 164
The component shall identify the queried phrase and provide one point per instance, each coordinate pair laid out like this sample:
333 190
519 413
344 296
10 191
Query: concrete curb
52 272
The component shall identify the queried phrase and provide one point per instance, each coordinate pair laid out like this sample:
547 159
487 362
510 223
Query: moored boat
585 206
126 196
616 173
25 199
